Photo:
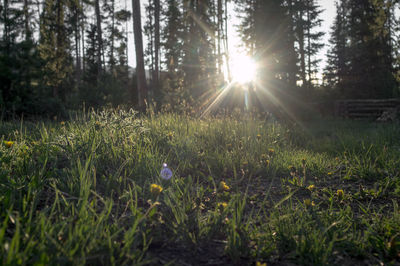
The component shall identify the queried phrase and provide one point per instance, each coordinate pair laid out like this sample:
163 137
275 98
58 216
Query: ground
245 190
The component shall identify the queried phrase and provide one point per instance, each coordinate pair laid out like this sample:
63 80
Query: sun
244 69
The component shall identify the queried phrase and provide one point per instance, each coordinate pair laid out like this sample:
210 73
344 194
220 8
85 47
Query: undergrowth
244 191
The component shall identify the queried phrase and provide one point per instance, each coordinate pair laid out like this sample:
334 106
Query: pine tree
336 71
174 94
307 19
361 58
199 62
54 47
18 56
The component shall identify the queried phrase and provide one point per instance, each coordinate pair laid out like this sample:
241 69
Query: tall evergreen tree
54 47
361 57
172 45
306 19
199 62
337 69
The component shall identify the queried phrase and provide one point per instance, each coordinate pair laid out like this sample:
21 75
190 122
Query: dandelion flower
170 135
155 189
223 186
222 205
310 187
271 151
62 123
309 203
330 173
9 144
267 162
258 263
340 193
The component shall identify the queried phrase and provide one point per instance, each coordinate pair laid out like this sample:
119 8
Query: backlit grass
244 191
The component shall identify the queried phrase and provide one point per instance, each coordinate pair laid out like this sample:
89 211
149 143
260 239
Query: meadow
245 190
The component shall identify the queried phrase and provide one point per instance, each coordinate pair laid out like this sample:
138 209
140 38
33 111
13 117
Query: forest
61 55
135 133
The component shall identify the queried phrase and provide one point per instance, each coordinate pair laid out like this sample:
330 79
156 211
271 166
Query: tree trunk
156 47
77 43
292 51
112 60
28 33
6 33
220 25
309 44
301 49
226 42
58 44
99 39
83 42
140 72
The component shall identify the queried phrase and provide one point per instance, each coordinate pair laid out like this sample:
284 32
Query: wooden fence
382 110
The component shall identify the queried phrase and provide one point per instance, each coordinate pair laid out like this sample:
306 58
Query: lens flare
244 69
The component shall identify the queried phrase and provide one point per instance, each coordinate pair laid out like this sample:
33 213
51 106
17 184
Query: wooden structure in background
382 110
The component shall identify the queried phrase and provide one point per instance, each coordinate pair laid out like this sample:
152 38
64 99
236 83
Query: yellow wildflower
267 162
258 136
8 143
330 173
258 263
309 203
223 186
271 151
62 123
170 135
222 205
310 187
340 193
155 189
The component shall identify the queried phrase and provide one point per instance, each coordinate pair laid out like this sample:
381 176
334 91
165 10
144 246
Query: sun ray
218 97
244 69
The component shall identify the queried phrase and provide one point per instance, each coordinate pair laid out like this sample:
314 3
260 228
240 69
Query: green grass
78 192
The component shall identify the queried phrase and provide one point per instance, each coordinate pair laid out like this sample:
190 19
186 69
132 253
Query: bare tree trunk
156 47
226 42
99 39
301 50
59 43
77 43
6 33
220 25
28 33
140 72
292 51
112 60
83 41
309 44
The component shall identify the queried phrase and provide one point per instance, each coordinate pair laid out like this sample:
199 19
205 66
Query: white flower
165 173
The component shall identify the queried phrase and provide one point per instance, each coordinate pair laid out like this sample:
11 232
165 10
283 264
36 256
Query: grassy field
244 191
